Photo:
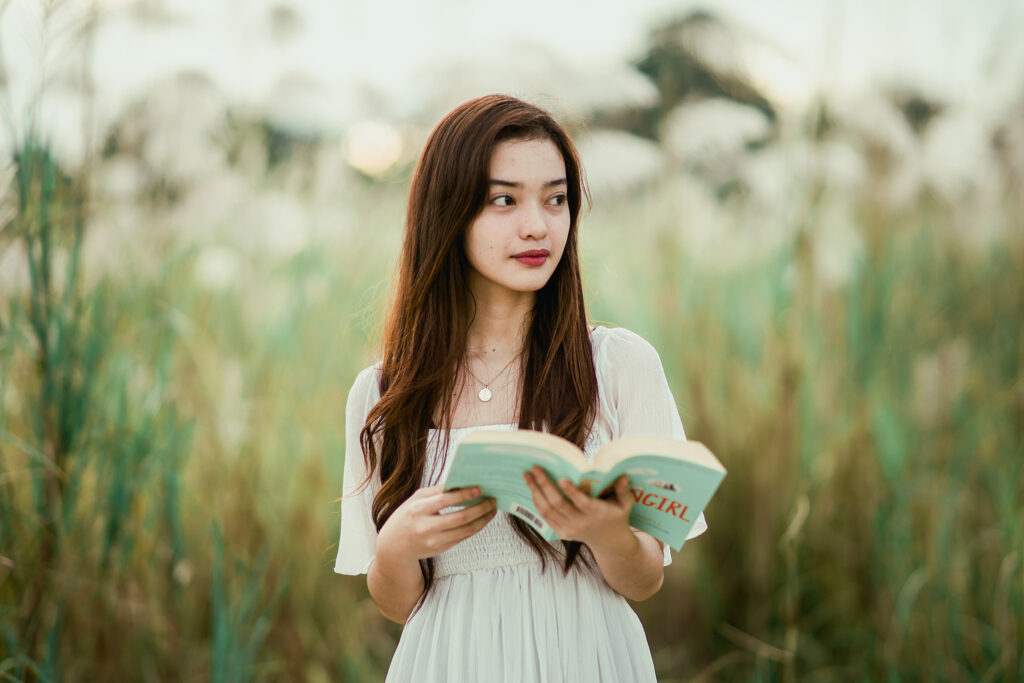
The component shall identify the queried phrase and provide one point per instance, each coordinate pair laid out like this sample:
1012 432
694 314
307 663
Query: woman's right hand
418 529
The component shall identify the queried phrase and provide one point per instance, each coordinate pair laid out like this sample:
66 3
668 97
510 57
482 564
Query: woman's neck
500 325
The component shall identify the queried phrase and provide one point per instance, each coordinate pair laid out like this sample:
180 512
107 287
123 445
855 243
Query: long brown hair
428 323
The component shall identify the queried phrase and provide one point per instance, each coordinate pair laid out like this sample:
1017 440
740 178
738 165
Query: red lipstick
533 257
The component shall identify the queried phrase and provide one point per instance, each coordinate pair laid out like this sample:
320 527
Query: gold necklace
485 393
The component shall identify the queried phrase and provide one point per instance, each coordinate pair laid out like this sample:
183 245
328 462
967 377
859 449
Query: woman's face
516 242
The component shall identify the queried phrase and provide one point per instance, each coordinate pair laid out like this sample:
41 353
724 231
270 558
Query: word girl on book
487 331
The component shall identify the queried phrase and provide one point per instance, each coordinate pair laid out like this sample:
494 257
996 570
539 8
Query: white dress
492 613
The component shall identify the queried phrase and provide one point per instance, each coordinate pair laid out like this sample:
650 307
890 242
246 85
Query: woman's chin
530 287
520 284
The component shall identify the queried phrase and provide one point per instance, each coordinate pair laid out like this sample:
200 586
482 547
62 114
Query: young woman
487 330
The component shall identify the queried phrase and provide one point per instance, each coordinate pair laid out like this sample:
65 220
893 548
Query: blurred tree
916 107
692 57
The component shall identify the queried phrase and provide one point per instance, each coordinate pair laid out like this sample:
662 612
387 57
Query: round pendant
484 394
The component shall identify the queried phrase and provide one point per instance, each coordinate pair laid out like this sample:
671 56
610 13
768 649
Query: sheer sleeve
358 540
637 395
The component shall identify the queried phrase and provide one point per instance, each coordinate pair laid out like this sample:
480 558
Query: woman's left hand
578 517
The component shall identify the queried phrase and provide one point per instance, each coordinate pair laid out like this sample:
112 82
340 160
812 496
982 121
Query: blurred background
813 209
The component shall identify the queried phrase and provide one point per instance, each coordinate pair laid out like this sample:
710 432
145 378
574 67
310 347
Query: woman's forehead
530 161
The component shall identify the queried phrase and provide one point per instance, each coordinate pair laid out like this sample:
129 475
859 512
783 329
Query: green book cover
671 481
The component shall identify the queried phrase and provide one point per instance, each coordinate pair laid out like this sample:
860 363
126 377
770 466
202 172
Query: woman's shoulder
618 346
365 391
632 388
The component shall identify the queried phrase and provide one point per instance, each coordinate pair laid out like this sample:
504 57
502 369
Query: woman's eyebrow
509 183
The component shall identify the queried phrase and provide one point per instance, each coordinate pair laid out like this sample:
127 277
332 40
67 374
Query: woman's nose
533 224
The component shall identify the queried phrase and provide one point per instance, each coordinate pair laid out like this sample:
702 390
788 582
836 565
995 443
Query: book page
628 446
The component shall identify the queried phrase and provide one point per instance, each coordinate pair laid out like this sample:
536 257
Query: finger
441 500
557 515
430 490
542 485
576 496
426 491
455 519
447 539
624 499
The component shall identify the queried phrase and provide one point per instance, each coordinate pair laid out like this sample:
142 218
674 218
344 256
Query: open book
670 481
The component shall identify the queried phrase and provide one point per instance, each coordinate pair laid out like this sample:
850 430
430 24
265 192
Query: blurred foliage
172 454
676 61
870 526
172 428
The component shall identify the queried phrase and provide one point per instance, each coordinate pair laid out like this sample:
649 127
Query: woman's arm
417 530
395 584
630 562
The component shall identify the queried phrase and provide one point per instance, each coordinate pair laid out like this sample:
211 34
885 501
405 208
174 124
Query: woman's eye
502 200
558 200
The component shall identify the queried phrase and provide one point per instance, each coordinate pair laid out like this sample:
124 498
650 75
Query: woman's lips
534 257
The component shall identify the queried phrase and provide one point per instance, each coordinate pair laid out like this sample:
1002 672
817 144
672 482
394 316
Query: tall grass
172 454
871 524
